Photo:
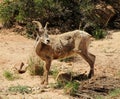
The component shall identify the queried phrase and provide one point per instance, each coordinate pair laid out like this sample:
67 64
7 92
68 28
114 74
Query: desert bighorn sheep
49 47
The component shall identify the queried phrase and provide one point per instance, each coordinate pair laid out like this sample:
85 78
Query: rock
102 13
20 68
64 77
115 21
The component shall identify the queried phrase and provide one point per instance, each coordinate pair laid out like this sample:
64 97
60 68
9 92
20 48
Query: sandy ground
15 49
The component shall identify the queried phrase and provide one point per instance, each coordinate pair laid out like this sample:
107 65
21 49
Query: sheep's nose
48 41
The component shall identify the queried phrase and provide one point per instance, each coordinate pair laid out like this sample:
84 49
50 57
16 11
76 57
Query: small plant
99 33
35 66
114 92
65 81
20 89
71 87
9 76
99 97
54 72
57 85
118 73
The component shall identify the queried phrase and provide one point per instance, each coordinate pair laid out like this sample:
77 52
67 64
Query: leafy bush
99 33
16 11
71 87
65 15
42 10
7 12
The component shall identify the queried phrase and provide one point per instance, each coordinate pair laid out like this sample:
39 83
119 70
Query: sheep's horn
39 24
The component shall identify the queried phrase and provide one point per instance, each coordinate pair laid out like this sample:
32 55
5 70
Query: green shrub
64 81
99 33
71 87
9 76
54 72
99 97
16 11
7 12
114 92
20 89
64 14
57 85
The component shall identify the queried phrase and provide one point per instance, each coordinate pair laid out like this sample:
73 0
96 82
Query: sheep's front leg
77 45
46 71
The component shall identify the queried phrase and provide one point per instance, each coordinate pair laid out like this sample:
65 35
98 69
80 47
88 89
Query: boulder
115 21
20 67
102 13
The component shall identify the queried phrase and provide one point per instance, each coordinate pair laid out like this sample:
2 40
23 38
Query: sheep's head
42 34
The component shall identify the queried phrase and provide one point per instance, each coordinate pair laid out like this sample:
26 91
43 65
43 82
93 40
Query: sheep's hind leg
90 58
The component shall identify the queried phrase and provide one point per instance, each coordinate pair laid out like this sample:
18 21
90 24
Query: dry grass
35 66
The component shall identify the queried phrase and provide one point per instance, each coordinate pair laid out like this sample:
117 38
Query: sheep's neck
38 47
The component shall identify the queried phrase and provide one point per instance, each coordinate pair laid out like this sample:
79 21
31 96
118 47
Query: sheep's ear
39 25
45 28
46 25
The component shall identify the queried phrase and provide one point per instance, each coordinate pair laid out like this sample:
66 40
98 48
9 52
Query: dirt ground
15 49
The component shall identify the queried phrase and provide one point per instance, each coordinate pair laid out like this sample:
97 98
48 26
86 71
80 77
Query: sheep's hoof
21 71
91 74
45 83
42 82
